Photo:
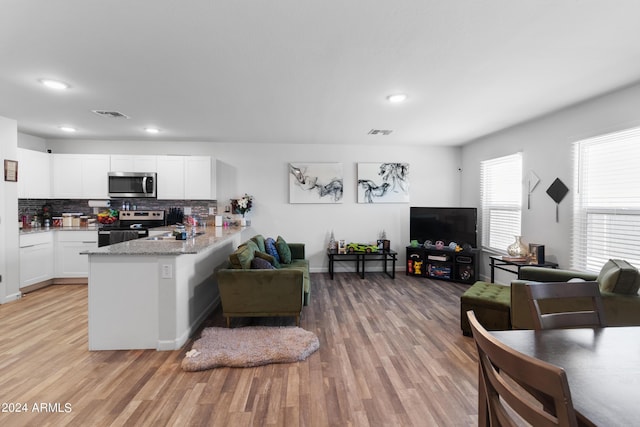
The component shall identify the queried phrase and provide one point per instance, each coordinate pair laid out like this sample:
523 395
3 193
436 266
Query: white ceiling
309 71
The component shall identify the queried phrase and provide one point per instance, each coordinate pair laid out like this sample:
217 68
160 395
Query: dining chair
511 385
589 315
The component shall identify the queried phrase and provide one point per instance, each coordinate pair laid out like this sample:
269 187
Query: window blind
606 211
501 196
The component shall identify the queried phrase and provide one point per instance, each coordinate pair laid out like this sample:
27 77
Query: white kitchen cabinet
68 245
199 175
34 174
133 163
186 177
170 177
36 258
95 169
80 176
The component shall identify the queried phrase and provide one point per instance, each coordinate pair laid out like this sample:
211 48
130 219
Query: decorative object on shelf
557 190
383 182
11 170
532 182
315 183
242 206
439 244
332 242
536 253
342 246
518 249
383 243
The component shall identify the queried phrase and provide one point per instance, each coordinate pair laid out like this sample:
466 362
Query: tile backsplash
30 207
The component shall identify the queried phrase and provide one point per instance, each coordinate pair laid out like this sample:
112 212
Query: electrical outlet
166 271
212 211
187 210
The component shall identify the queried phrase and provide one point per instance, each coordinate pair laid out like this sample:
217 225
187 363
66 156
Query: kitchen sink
170 236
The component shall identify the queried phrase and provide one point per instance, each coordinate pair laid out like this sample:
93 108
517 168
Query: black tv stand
443 264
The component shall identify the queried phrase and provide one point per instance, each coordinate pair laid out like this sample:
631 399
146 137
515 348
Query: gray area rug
249 346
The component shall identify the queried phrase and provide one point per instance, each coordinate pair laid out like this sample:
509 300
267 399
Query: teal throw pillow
283 250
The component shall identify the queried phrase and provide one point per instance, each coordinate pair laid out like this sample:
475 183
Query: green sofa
252 292
621 301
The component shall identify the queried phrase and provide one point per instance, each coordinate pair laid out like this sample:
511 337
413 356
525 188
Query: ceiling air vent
112 114
380 132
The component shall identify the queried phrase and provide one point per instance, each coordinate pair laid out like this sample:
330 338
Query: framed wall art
11 170
315 183
383 182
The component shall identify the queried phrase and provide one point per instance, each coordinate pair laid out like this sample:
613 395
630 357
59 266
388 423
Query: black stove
130 225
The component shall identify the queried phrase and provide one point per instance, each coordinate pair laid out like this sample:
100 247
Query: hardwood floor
391 354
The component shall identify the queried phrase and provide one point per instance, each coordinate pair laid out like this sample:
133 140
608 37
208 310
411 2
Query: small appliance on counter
130 225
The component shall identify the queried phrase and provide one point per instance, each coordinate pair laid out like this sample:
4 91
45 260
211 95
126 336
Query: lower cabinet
36 258
443 264
69 244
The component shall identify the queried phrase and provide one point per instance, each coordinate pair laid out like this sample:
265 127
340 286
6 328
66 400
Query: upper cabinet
34 179
84 176
80 176
186 177
133 163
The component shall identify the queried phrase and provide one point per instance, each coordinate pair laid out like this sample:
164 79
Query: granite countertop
33 230
212 236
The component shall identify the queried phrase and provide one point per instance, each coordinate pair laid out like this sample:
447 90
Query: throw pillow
261 264
241 258
283 250
620 277
265 256
270 247
259 240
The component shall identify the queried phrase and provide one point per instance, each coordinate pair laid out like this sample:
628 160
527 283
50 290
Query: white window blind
606 211
501 195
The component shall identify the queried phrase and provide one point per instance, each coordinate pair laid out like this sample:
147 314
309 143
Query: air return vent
380 132
112 114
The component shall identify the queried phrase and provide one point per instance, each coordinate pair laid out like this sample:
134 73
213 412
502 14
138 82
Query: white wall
9 253
262 171
546 144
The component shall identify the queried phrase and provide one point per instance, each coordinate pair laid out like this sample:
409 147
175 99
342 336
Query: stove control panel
141 215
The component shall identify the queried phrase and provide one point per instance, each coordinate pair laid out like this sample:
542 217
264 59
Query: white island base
139 299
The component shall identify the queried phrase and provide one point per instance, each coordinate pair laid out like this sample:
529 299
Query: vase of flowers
242 206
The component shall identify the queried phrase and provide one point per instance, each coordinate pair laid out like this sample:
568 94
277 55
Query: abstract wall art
383 182
315 183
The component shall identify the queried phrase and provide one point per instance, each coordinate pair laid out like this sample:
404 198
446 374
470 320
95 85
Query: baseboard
13 297
168 345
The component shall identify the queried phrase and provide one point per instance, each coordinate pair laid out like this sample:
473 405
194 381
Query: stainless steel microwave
132 184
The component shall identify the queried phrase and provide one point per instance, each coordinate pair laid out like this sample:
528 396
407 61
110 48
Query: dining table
602 366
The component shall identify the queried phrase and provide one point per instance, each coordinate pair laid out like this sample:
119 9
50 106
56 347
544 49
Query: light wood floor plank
391 354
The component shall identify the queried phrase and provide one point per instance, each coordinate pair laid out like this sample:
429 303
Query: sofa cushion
620 277
261 264
258 239
271 249
241 258
283 250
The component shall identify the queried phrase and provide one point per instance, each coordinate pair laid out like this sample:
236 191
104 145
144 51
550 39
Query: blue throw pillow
261 264
272 249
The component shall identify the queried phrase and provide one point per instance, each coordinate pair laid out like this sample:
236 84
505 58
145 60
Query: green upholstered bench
491 304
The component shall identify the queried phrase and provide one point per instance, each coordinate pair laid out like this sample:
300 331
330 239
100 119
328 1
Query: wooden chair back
588 291
511 384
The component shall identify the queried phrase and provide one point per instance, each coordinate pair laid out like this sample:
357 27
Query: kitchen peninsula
154 292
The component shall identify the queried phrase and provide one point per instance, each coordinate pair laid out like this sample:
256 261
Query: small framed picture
11 170
342 247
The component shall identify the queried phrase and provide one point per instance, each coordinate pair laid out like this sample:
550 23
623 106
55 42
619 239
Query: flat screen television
447 224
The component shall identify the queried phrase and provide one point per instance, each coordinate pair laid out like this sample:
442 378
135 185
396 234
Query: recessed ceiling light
67 128
398 97
152 130
54 84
